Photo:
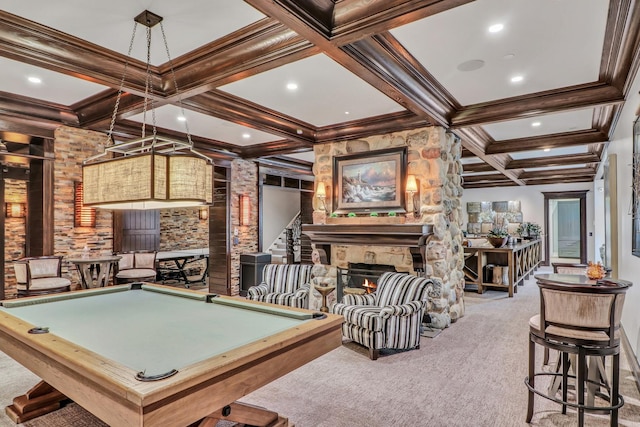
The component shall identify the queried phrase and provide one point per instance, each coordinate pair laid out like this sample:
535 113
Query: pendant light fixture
152 172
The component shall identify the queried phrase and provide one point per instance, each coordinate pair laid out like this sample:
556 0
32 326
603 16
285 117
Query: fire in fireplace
360 276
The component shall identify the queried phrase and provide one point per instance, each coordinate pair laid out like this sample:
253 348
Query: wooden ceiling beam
386 123
275 148
259 47
126 130
476 167
554 173
557 140
36 109
476 140
237 110
588 95
551 161
506 183
485 177
35 44
560 180
27 126
375 59
354 19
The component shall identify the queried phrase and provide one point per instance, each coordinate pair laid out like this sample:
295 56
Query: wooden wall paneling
219 235
140 230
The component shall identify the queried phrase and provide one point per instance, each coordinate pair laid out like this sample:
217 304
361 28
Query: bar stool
582 318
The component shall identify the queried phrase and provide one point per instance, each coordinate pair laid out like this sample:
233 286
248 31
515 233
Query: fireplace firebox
360 276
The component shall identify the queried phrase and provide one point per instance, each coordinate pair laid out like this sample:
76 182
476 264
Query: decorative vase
498 242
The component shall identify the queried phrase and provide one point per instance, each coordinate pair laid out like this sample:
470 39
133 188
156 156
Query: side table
324 291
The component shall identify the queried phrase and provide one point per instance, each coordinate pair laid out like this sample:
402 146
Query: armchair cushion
284 284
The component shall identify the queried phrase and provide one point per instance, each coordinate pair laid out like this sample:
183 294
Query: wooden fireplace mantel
412 236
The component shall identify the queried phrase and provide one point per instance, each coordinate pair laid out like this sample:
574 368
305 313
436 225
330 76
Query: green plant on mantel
392 213
333 215
351 215
373 214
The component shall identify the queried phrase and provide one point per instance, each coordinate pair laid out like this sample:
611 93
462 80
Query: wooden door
136 230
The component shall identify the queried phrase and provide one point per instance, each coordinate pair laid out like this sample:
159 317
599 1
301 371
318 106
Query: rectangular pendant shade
148 181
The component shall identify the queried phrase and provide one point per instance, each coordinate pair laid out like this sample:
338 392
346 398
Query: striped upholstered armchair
390 317
284 284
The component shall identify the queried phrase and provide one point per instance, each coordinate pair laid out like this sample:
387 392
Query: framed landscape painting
370 182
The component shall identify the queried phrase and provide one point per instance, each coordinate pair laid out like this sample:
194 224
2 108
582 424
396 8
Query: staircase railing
291 234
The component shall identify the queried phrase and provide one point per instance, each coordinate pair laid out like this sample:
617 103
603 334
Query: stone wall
71 147
15 234
433 156
244 181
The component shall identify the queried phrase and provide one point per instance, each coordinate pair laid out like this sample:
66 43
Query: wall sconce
82 216
412 188
203 213
245 210
15 210
321 195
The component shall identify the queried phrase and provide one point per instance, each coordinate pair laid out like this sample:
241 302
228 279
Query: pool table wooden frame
109 390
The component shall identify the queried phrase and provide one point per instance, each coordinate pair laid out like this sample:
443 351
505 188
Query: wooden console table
521 259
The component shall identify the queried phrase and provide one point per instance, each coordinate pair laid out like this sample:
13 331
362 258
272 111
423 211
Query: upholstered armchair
390 317
136 267
40 275
284 284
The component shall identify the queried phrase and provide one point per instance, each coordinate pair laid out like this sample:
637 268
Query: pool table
147 355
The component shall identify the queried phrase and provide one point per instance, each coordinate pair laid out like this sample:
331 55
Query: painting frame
635 190
382 172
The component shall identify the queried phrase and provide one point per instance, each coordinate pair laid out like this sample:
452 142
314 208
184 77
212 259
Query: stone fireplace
433 157
360 276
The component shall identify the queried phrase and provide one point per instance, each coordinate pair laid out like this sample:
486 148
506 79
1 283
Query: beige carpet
470 375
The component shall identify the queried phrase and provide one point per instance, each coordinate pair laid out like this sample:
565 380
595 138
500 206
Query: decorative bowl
498 242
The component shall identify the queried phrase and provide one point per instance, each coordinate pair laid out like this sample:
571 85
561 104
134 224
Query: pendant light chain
175 85
121 88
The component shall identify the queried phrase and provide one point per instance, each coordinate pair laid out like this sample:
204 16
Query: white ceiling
551 43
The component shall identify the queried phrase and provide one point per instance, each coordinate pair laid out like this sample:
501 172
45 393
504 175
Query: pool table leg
39 400
244 414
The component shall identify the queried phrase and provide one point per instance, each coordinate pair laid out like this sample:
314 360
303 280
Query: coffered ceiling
359 69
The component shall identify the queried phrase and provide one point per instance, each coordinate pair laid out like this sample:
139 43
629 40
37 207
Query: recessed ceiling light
547 150
517 79
496 28
292 86
299 131
246 135
346 112
535 124
36 80
181 118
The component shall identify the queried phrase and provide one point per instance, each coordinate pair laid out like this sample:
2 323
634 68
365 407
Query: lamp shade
15 210
148 181
82 216
321 191
412 186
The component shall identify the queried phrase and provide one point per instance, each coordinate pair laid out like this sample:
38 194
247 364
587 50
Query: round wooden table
101 265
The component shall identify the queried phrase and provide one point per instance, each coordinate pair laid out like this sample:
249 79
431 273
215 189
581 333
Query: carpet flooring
472 374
